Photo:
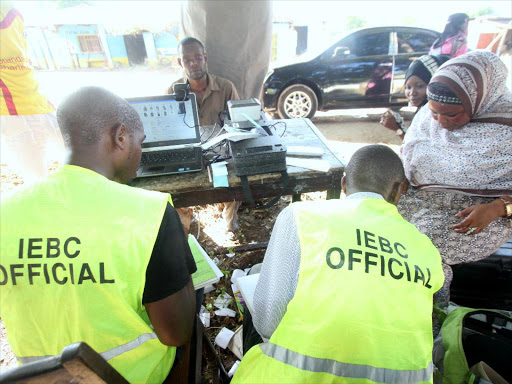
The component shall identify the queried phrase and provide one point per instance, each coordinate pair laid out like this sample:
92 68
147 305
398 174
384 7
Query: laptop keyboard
168 157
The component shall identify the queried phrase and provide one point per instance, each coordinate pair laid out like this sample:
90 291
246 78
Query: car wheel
297 101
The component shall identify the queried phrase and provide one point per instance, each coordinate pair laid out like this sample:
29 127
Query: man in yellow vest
346 287
84 257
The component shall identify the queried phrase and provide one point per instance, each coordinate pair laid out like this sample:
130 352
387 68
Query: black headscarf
425 67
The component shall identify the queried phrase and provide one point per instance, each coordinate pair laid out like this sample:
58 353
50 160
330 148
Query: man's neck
87 159
198 85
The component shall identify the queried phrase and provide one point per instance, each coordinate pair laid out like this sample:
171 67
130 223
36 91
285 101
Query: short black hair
90 112
189 41
374 168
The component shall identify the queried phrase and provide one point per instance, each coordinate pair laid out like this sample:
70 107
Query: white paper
205 319
230 255
209 288
247 286
234 368
233 136
222 301
225 312
298 150
236 343
236 274
223 338
314 164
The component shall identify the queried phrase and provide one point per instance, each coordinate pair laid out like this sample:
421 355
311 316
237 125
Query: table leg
334 190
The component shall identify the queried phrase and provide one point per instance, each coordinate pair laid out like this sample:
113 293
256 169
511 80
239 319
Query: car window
370 45
412 42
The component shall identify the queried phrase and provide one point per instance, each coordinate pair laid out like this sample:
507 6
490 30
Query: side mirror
341 52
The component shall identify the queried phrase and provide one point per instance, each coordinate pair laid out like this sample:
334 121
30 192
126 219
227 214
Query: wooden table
195 188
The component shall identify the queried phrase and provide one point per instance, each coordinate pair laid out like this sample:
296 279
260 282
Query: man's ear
120 137
344 184
205 58
405 186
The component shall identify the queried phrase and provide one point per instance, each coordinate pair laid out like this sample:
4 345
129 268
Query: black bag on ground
469 337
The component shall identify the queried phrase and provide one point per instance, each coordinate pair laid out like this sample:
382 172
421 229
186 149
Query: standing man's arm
279 275
169 295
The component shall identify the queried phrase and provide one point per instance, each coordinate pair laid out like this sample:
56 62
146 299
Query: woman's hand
389 121
478 217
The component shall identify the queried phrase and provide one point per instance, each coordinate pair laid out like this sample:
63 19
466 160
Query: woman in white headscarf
457 156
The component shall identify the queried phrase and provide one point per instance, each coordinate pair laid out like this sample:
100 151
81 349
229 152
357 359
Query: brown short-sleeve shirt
215 98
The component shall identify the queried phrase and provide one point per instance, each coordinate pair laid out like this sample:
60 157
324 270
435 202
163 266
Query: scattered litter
239 300
234 368
223 338
236 343
230 255
204 316
208 289
222 301
225 312
216 261
236 274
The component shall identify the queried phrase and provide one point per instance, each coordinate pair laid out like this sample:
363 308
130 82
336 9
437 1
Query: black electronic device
181 91
263 154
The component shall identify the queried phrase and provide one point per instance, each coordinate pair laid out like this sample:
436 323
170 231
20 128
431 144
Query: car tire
297 101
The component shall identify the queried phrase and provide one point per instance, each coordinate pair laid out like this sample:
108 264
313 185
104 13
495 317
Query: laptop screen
167 121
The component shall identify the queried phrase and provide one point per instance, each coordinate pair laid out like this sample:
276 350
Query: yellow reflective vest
73 261
363 303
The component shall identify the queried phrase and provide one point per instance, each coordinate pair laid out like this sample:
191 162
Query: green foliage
482 12
354 22
70 3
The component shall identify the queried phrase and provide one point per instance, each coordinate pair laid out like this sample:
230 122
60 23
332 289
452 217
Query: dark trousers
251 336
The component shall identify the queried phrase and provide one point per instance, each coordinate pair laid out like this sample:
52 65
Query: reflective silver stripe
333 367
30 359
107 355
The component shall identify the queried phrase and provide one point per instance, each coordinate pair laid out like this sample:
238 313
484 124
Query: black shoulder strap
248 195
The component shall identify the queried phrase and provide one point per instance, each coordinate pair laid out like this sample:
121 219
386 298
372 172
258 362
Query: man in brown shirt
212 94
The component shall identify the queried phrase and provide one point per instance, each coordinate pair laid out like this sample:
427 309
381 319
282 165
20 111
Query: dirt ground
346 130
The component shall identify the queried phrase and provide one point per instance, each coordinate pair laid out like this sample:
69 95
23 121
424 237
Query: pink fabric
453 46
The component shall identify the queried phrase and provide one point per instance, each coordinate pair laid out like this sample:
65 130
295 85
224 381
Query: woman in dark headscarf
417 77
453 40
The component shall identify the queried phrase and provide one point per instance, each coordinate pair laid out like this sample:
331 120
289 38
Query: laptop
173 141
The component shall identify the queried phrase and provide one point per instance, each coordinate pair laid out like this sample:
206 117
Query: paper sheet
236 343
222 301
233 136
220 174
314 164
225 312
224 337
247 286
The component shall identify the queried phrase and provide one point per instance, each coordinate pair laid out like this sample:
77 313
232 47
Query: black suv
365 69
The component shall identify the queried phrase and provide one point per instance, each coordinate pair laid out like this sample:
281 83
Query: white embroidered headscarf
476 158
